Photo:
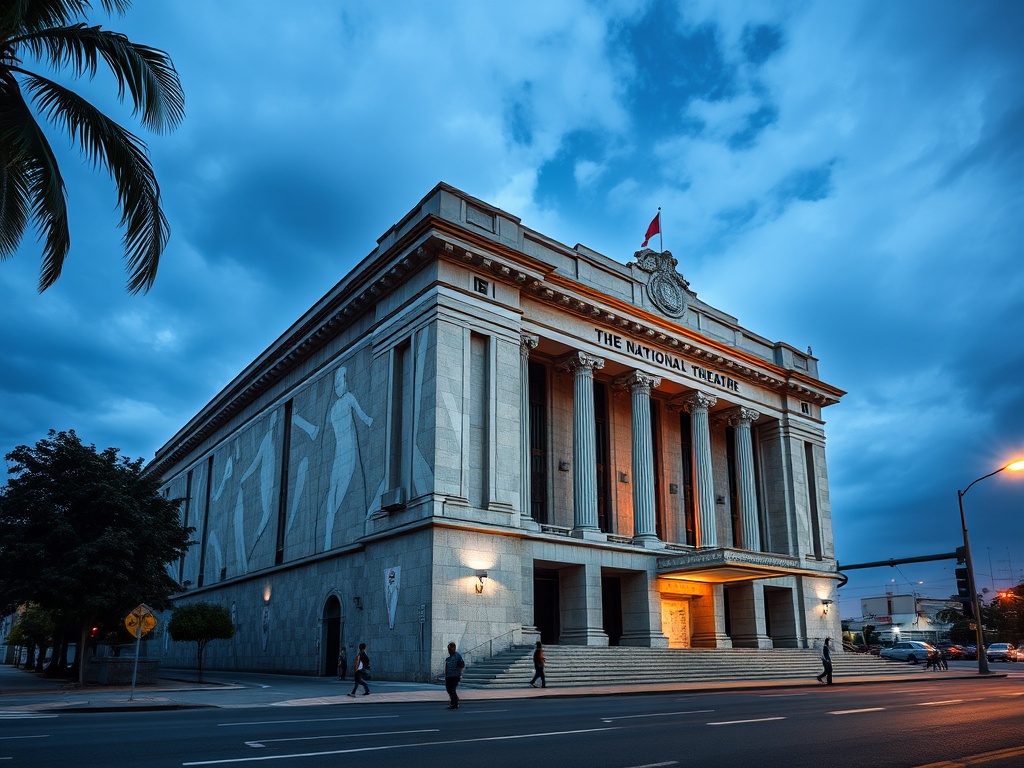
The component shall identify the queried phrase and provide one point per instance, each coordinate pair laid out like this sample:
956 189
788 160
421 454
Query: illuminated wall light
482 577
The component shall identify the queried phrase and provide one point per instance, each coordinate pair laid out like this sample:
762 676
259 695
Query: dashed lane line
259 743
656 714
316 720
979 759
387 747
742 722
855 711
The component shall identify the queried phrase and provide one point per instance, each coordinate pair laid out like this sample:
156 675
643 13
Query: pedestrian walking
361 672
453 667
342 663
538 666
826 663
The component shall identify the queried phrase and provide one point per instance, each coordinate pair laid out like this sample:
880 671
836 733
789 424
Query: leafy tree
201 623
33 629
960 631
53 33
84 533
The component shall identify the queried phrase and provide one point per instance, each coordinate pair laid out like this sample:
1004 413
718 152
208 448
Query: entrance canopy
720 566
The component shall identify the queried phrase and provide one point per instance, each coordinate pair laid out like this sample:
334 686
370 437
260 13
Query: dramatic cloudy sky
845 176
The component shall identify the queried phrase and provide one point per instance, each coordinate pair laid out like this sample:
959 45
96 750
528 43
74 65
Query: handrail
490 643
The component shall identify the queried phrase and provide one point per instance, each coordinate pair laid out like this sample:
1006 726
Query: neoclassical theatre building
484 436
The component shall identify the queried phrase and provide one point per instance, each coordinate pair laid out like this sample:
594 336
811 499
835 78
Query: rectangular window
186 511
400 460
604 470
686 449
538 377
206 523
479 410
282 501
734 487
812 500
659 527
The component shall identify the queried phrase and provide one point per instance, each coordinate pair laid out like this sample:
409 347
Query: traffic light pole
976 604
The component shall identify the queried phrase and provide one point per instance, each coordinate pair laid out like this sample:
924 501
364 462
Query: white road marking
938 703
318 720
741 722
855 711
656 714
263 742
484 711
11 738
780 695
656 765
396 746
24 715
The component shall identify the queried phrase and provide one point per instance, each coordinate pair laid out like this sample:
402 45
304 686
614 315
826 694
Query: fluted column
584 447
697 405
526 343
739 420
640 385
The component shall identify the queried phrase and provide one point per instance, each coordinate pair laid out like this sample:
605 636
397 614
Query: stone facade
627 464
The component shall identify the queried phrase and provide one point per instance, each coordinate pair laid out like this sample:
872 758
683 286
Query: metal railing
498 641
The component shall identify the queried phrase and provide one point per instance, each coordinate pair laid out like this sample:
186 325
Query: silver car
908 650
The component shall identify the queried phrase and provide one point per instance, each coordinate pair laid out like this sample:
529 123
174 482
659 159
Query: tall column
584 447
526 343
740 419
640 385
697 405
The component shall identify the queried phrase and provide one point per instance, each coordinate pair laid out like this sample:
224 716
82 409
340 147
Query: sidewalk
25 692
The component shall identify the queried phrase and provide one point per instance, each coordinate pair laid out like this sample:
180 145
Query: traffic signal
963 584
961 555
963 591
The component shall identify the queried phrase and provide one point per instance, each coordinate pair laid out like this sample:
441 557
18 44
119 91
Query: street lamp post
975 602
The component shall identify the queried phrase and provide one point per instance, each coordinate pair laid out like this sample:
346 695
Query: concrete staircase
568 665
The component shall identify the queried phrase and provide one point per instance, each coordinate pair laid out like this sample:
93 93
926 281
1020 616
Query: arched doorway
331 641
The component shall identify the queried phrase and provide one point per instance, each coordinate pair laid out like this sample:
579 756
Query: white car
908 650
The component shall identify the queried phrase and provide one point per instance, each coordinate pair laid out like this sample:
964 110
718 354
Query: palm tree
52 32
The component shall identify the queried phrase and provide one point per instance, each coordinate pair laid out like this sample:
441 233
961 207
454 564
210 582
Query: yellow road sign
139 625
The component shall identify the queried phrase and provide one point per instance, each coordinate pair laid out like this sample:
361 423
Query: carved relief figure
311 430
265 463
392 581
346 448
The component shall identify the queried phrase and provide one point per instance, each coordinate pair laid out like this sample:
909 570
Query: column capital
737 417
527 343
694 401
637 381
577 360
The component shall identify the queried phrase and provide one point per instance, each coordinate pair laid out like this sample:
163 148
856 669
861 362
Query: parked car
951 650
970 653
908 650
1001 652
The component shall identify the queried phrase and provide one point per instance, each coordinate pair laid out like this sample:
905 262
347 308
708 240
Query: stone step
584 665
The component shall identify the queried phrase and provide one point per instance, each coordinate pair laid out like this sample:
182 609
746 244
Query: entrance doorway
545 604
611 608
331 641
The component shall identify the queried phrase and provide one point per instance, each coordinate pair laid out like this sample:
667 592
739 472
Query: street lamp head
1016 466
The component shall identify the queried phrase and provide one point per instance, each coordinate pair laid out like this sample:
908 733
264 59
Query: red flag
653 229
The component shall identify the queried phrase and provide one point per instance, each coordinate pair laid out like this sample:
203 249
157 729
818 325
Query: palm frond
146 73
107 144
31 15
35 187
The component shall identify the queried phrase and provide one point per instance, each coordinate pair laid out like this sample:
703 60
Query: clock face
666 294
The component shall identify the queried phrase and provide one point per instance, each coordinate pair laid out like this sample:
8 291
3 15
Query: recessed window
805 409
481 286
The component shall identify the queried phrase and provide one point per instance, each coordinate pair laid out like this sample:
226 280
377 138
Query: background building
482 435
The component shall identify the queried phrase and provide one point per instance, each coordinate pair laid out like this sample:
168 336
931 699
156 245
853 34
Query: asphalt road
967 722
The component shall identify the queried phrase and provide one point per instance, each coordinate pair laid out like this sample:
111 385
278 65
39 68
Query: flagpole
661 236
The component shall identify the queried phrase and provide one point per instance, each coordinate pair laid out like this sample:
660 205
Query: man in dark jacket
538 667
361 671
453 667
826 662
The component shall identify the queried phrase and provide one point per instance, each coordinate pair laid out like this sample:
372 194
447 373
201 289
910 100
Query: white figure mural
264 462
346 448
311 430
392 581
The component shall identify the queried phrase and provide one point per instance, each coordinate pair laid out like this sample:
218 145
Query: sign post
140 621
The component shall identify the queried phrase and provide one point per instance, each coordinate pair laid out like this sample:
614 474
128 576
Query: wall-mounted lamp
358 602
824 606
482 576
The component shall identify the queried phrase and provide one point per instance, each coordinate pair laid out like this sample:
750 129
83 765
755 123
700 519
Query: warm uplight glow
1017 466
